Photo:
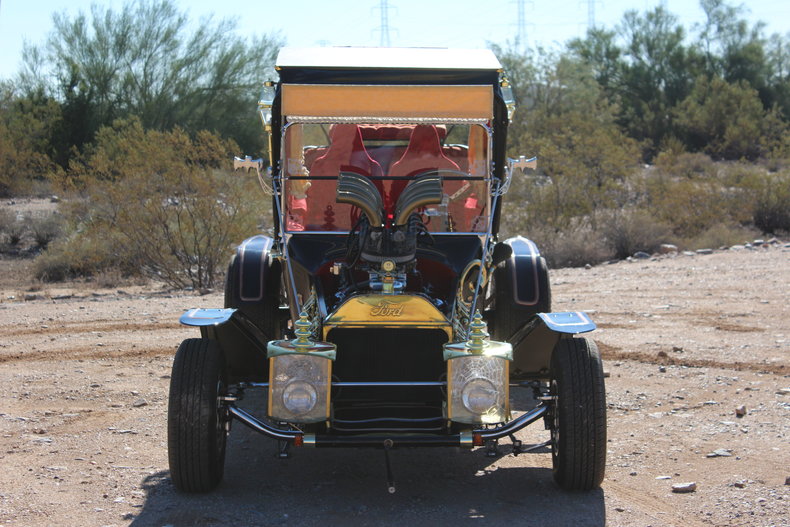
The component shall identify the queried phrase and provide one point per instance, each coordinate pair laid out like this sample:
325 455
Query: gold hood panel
387 311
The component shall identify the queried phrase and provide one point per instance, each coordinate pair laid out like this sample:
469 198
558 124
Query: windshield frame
295 163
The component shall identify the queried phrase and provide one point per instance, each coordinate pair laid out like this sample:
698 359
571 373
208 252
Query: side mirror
521 163
247 164
513 164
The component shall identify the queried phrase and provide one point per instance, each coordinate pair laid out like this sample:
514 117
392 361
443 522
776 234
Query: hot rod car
384 311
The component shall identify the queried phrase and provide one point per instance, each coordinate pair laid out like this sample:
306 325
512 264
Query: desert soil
686 340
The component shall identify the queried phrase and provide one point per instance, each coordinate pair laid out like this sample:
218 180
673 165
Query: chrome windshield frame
488 178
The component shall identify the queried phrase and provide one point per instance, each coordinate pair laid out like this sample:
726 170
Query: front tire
578 416
196 421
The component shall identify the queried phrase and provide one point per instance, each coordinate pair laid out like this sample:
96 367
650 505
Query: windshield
390 156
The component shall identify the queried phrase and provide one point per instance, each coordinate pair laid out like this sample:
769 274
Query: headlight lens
477 389
479 396
299 397
299 385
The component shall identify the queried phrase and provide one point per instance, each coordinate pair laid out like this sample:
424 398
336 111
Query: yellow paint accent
449 390
271 387
507 391
336 100
329 389
391 311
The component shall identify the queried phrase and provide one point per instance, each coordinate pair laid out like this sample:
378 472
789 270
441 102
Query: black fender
536 339
250 272
521 291
525 277
252 288
242 342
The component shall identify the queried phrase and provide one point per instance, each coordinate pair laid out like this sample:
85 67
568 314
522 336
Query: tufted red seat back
423 153
346 153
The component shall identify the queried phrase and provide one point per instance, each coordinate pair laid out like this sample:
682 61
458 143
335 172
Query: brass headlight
300 374
478 376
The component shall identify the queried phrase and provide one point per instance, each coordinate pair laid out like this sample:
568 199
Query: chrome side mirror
248 163
517 164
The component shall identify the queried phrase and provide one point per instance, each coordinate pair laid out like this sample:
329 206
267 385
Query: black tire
508 316
264 313
578 415
196 422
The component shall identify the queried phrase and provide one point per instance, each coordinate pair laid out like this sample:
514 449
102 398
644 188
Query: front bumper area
475 437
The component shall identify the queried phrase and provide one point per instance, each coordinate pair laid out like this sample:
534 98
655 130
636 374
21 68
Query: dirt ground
687 340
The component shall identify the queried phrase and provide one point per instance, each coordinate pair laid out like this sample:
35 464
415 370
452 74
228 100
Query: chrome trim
264 428
479 234
513 426
280 195
388 384
533 255
388 419
390 429
487 247
466 439
384 120
308 440
362 384
242 251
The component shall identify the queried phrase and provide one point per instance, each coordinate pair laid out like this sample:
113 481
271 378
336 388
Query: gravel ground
686 340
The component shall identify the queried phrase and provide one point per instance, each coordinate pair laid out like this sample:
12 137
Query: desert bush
7 217
771 212
629 231
171 212
573 246
685 164
721 235
109 279
689 206
11 229
83 254
45 228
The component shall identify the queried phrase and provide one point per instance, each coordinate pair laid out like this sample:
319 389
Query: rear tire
196 422
578 416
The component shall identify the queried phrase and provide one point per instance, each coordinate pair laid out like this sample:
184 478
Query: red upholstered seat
424 153
346 153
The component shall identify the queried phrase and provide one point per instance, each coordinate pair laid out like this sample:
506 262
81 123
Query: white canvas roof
394 58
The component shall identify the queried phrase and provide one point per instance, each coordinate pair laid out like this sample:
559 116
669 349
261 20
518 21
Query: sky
448 23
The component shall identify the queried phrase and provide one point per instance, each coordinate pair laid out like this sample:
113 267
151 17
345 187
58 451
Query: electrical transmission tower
384 27
591 13
521 31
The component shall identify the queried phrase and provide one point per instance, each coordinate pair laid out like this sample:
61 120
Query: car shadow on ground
435 486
